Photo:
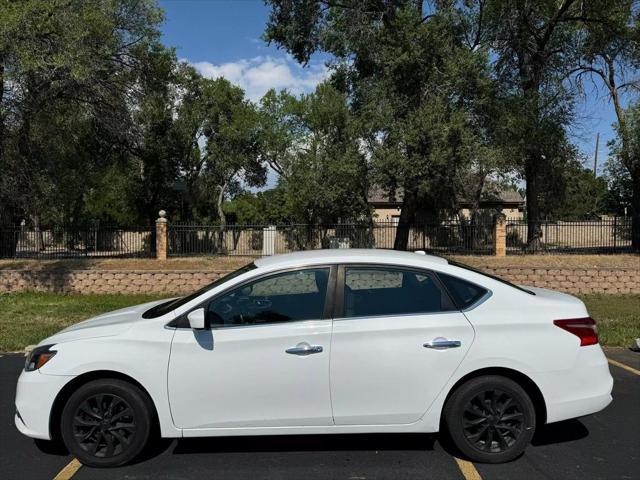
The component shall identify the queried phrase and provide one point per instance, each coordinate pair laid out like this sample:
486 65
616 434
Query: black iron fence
73 242
257 240
605 235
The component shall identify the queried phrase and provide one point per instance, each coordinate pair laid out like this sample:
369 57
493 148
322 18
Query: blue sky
222 38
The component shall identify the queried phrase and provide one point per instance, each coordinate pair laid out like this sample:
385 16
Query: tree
67 71
575 193
191 134
619 187
326 180
611 55
625 149
267 207
149 143
535 47
232 134
282 133
410 75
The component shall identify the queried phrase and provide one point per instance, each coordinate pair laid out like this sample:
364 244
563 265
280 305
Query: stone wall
574 280
578 280
105 281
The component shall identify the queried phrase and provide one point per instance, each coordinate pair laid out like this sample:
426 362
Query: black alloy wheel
492 421
104 425
107 422
489 419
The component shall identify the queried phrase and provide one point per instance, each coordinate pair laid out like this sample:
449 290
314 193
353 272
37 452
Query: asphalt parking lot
602 446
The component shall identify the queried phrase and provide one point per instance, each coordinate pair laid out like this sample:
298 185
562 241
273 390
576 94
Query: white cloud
259 74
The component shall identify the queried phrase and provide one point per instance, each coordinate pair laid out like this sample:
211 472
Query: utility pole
595 156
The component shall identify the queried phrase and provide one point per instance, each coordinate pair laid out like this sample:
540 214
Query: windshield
167 307
493 277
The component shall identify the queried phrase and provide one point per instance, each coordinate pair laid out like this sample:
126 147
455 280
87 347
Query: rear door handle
304 349
442 344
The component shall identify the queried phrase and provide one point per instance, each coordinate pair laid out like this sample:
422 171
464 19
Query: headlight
38 357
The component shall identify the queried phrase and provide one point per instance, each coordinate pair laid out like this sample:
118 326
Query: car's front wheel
106 423
490 419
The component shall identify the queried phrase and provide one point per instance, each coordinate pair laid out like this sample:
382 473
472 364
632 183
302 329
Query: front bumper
35 395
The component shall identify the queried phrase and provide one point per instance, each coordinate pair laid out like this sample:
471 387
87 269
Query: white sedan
333 341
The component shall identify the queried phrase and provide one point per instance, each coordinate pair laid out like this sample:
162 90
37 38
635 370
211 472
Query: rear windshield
493 277
167 307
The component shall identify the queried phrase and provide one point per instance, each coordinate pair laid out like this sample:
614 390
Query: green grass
27 318
617 316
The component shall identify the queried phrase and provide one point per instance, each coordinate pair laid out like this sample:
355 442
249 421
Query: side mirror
197 319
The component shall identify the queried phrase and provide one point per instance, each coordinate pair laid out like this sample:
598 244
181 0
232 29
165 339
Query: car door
397 339
264 361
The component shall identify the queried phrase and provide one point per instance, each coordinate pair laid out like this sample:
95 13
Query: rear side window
378 292
464 293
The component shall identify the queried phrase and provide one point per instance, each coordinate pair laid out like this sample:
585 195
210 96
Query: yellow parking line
468 470
622 365
69 471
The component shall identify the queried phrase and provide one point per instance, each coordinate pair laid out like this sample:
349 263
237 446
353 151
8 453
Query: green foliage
261 208
422 95
619 187
232 132
281 131
66 73
100 121
575 194
326 182
418 78
107 201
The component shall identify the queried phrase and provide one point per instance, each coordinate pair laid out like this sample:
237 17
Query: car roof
349 255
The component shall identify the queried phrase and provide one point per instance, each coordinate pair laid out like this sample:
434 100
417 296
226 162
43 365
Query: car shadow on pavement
306 443
51 447
560 432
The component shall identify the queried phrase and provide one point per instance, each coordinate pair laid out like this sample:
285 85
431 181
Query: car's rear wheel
490 419
106 423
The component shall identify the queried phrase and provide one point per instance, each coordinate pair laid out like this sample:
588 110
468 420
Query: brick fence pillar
161 236
500 235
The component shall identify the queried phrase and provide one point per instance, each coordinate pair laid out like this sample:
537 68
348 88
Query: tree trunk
534 230
2 109
223 221
635 211
407 218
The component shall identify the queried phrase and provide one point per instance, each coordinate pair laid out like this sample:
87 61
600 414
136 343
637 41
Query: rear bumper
582 390
35 395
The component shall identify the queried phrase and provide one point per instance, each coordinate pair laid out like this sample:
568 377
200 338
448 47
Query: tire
106 423
490 419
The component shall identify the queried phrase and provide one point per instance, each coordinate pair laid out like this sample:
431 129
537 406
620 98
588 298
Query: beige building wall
510 213
385 214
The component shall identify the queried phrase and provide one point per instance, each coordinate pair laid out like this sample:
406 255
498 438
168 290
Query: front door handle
304 349
442 344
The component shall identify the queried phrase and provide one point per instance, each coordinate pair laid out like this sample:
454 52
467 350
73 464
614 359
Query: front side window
284 297
171 305
391 291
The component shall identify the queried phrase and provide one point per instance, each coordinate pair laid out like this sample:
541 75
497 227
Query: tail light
583 328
